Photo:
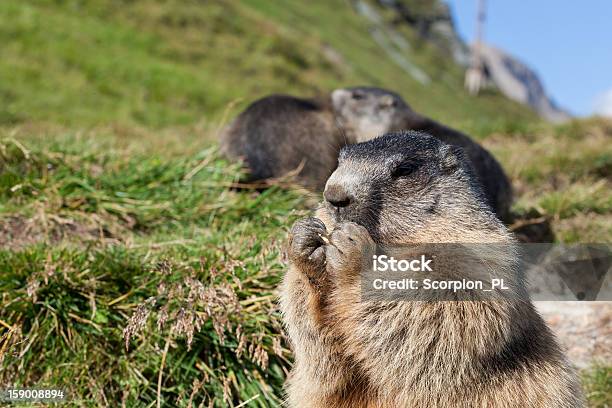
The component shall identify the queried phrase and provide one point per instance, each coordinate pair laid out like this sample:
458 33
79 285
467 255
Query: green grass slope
130 271
166 63
114 234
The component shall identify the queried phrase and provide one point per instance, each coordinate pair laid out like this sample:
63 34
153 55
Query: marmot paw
350 249
307 245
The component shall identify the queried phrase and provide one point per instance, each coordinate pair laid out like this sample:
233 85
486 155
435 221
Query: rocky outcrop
519 82
584 330
433 22
603 104
392 42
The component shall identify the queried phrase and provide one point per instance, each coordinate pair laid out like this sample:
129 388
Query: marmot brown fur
364 106
281 135
406 189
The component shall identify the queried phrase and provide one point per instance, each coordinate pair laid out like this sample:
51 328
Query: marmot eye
357 95
404 169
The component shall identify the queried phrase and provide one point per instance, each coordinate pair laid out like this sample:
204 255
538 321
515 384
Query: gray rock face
433 22
393 43
582 328
519 82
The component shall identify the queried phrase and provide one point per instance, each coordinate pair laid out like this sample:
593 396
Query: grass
173 63
131 271
562 173
161 238
598 386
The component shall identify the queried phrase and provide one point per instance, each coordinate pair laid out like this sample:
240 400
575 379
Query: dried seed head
138 320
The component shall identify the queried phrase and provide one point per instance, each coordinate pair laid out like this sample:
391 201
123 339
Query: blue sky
568 43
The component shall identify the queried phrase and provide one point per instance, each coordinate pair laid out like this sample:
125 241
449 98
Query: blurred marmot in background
361 106
406 189
280 135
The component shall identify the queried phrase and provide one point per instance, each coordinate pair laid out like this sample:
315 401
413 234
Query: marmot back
280 135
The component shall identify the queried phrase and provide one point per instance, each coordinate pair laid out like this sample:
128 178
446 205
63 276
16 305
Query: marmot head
404 185
367 112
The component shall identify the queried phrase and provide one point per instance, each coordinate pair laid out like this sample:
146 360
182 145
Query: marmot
357 106
406 189
280 135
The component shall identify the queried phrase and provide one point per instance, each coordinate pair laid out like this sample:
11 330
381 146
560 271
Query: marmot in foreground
281 135
406 189
361 106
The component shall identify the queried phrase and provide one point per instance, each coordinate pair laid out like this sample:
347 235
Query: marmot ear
387 101
451 157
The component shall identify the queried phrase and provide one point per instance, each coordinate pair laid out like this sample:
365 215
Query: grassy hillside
130 271
168 63
113 233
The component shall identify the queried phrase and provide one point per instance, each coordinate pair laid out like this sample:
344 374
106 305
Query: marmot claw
350 245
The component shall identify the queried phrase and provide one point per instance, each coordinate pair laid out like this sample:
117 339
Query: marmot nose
337 196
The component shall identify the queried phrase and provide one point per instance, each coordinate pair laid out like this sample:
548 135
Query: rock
584 330
433 22
519 82
389 40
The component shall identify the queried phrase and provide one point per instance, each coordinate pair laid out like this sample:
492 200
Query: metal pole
474 77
